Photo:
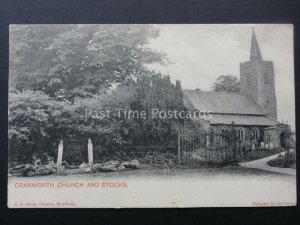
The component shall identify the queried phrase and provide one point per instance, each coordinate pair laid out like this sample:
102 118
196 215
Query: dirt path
262 164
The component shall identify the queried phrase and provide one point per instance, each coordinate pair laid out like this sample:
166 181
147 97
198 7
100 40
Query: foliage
59 73
118 130
37 122
227 83
70 61
284 161
34 120
258 153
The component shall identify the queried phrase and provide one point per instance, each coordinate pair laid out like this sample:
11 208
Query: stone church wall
248 133
258 84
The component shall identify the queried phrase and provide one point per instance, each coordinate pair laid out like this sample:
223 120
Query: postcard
151 115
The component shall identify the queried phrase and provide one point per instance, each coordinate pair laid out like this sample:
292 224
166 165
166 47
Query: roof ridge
272 118
214 92
240 114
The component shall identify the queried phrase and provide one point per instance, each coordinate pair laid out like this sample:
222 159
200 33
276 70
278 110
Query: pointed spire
254 52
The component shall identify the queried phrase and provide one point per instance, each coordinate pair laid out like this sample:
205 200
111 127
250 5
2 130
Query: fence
193 147
207 147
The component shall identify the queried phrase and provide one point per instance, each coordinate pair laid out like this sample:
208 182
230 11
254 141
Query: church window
240 133
248 80
266 81
256 133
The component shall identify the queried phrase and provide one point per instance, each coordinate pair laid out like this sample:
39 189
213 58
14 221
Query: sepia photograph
151 115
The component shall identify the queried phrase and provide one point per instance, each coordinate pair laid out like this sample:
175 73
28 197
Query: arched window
240 133
256 133
266 80
248 80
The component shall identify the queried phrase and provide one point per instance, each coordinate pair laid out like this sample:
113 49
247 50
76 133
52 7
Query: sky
199 54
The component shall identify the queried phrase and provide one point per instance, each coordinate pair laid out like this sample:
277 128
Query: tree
149 92
35 122
227 83
59 72
157 92
69 61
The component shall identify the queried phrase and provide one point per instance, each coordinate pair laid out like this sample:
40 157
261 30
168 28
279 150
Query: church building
253 111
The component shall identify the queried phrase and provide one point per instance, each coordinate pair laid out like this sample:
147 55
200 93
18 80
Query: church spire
254 52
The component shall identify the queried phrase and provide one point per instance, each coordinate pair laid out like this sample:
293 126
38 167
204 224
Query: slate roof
221 102
227 107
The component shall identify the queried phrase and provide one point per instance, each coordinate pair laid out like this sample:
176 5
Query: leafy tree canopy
59 72
70 61
227 83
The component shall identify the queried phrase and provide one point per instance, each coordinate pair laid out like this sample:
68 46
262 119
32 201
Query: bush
284 162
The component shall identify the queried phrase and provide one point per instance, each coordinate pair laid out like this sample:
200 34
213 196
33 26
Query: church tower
257 80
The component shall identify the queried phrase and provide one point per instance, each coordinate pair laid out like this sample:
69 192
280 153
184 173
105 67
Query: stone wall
270 136
247 130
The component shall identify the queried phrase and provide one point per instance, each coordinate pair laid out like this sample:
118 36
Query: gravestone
271 145
262 144
59 155
90 153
